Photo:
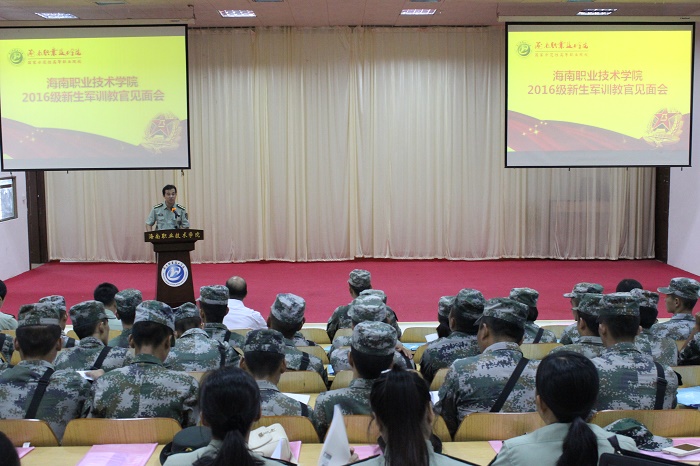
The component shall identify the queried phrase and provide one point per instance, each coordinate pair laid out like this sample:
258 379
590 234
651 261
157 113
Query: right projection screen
591 95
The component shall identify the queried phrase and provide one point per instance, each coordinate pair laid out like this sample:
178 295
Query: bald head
237 288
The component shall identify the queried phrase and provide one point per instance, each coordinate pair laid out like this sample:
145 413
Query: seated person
586 315
126 300
570 334
7 321
194 350
230 404
663 349
391 315
566 387
145 388
104 293
681 296
444 306
59 303
213 303
690 353
533 332
263 357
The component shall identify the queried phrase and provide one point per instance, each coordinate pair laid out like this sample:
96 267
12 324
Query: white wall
14 236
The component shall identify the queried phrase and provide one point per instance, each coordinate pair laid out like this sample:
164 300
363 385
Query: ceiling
324 13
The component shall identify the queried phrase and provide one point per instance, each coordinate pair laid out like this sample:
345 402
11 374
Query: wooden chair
317 351
296 427
317 335
439 379
343 332
666 422
240 331
680 344
301 382
416 334
95 431
72 334
114 333
557 329
342 380
419 353
497 426
440 429
689 374
15 358
12 333
38 433
197 375
361 429
537 350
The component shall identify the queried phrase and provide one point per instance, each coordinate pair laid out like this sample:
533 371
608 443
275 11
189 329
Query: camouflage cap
87 312
367 308
155 311
185 311
505 309
265 340
58 302
644 439
37 314
445 306
584 287
646 298
619 304
686 288
288 308
373 292
375 338
360 279
127 300
527 296
469 303
214 294
590 304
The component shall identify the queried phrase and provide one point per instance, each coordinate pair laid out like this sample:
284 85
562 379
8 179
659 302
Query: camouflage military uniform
339 360
218 332
443 352
295 360
83 357
340 319
628 379
146 389
662 349
121 341
352 400
275 403
676 328
690 355
473 384
7 347
570 335
299 340
195 351
65 398
589 346
531 330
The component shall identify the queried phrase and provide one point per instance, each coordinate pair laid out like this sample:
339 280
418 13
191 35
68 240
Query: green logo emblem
523 49
16 57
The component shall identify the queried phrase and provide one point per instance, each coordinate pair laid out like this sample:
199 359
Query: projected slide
598 94
94 98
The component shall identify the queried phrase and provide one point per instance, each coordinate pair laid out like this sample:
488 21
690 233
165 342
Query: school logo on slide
16 56
664 128
174 273
524 49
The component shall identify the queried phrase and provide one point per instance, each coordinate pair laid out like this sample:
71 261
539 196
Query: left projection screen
90 98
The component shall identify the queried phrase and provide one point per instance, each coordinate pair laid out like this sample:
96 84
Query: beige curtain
329 144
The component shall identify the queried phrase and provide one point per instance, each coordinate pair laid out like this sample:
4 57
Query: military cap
469 303
619 304
584 287
265 340
288 308
590 304
445 306
127 300
155 311
505 309
527 296
644 439
375 338
686 288
646 298
185 311
87 312
37 314
367 308
374 292
360 279
214 294
58 302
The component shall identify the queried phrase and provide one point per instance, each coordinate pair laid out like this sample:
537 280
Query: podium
174 272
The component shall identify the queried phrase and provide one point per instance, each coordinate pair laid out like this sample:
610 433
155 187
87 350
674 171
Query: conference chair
15 358
96 431
537 350
419 353
12 333
497 426
557 329
114 333
297 428
72 334
440 429
241 331
664 422
439 379
680 344
689 374
343 332
416 334
361 428
301 382
38 433
197 375
317 335
342 380
317 351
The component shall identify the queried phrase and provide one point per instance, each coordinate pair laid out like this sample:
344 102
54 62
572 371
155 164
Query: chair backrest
439 379
361 429
296 427
95 431
72 334
317 335
12 333
342 380
343 332
537 350
197 375
38 433
557 329
301 382
416 334
240 331
680 344
689 374
15 358
317 351
114 333
440 429
666 422
419 353
497 426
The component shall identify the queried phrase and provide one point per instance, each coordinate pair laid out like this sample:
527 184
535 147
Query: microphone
177 217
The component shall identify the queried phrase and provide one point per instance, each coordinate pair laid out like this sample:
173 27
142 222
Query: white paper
84 375
431 337
299 397
434 397
336 448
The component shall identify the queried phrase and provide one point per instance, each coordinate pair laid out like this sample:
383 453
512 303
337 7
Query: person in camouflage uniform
444 307
628 377
59 303
7 321
194 350
681 296
533 332
263 358
662 349
213 302
372 351
474 384
586 315
145 388
105 293
38 341
570 334
690 353
126 300
467 307
92 327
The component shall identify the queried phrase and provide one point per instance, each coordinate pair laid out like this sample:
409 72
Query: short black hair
464 324
87 330
532 313
628 284
504 329
359 290
37 340
214 313
647 316
687 303
168 187
150 333
621 326
370 366
3 290
263 363
591 322
184 325
285 328
128 316
104 293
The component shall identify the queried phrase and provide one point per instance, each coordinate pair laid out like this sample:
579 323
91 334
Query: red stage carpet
413 287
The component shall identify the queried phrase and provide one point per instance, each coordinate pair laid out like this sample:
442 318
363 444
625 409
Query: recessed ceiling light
418 12
57 15
237 13
596 12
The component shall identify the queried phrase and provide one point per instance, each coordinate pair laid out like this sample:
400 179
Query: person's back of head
38 332
503 320
467 308
618 318
154 327
588 310
3 292
263 353
367 308
186 318
127 300
287 314
104 293
528 297
444 307
89 318
214 303
229 401
237 288
648 306
372 348
400 401
59 304
628 284
567 385
8 452
359 281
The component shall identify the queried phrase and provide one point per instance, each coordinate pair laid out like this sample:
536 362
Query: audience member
239 316
391 315
213 303
444 307
663 349
7 322
533 332
194 350
681 296
476 383
570 334
628 284
566 387
586 316
126 300
8 452
105 293
59 304
145 388
690 353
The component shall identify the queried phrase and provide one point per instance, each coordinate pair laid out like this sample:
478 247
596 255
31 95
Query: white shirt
240 316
